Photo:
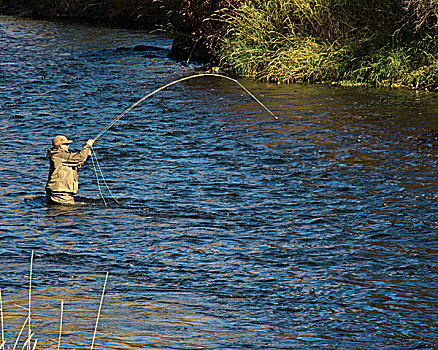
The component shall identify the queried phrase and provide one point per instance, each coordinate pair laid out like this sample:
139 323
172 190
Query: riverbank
184 20
386 43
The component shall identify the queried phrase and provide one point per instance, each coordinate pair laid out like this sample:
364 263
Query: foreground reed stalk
30 298
98 313
27 322
60 323
2 322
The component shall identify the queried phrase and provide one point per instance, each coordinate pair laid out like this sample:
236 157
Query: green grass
342 41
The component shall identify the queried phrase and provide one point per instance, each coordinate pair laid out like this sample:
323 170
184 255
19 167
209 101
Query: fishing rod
175 82
149 95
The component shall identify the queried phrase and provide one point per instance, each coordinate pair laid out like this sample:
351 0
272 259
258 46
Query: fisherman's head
60 141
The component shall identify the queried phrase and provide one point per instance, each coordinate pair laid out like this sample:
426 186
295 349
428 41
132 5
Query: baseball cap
59 140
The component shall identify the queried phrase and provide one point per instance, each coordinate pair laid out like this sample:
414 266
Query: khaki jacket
64 165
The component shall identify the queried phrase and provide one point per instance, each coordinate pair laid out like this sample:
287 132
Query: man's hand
90 142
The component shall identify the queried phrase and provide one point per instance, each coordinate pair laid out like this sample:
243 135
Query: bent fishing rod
175 82
144 98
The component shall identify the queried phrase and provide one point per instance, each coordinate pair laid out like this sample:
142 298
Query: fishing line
97 178
175 82
93 155
103 178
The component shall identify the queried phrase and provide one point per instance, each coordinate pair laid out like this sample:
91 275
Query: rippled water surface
234 230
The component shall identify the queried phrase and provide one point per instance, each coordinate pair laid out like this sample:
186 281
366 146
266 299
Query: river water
233 229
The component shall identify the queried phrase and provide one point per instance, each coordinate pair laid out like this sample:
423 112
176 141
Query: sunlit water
234 230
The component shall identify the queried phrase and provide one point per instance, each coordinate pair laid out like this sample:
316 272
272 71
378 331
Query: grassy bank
375 42
381 42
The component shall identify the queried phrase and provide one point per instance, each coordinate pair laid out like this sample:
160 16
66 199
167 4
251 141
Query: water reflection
235 230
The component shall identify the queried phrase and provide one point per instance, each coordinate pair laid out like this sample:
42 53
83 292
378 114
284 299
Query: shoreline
245 40
185 47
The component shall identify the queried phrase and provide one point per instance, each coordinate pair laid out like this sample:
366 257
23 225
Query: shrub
359 41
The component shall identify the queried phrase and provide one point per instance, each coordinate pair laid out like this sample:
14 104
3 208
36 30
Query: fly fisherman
62 184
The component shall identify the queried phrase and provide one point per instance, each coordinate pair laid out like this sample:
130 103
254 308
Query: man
62 184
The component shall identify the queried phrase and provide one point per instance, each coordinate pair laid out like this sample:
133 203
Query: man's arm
78 158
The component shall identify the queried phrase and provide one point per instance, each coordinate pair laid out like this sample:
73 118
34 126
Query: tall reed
27 342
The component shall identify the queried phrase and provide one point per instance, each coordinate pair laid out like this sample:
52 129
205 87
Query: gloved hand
90 142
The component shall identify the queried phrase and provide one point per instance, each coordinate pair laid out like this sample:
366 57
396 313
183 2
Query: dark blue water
233 229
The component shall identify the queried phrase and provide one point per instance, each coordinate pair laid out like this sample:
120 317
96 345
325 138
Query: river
230 229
